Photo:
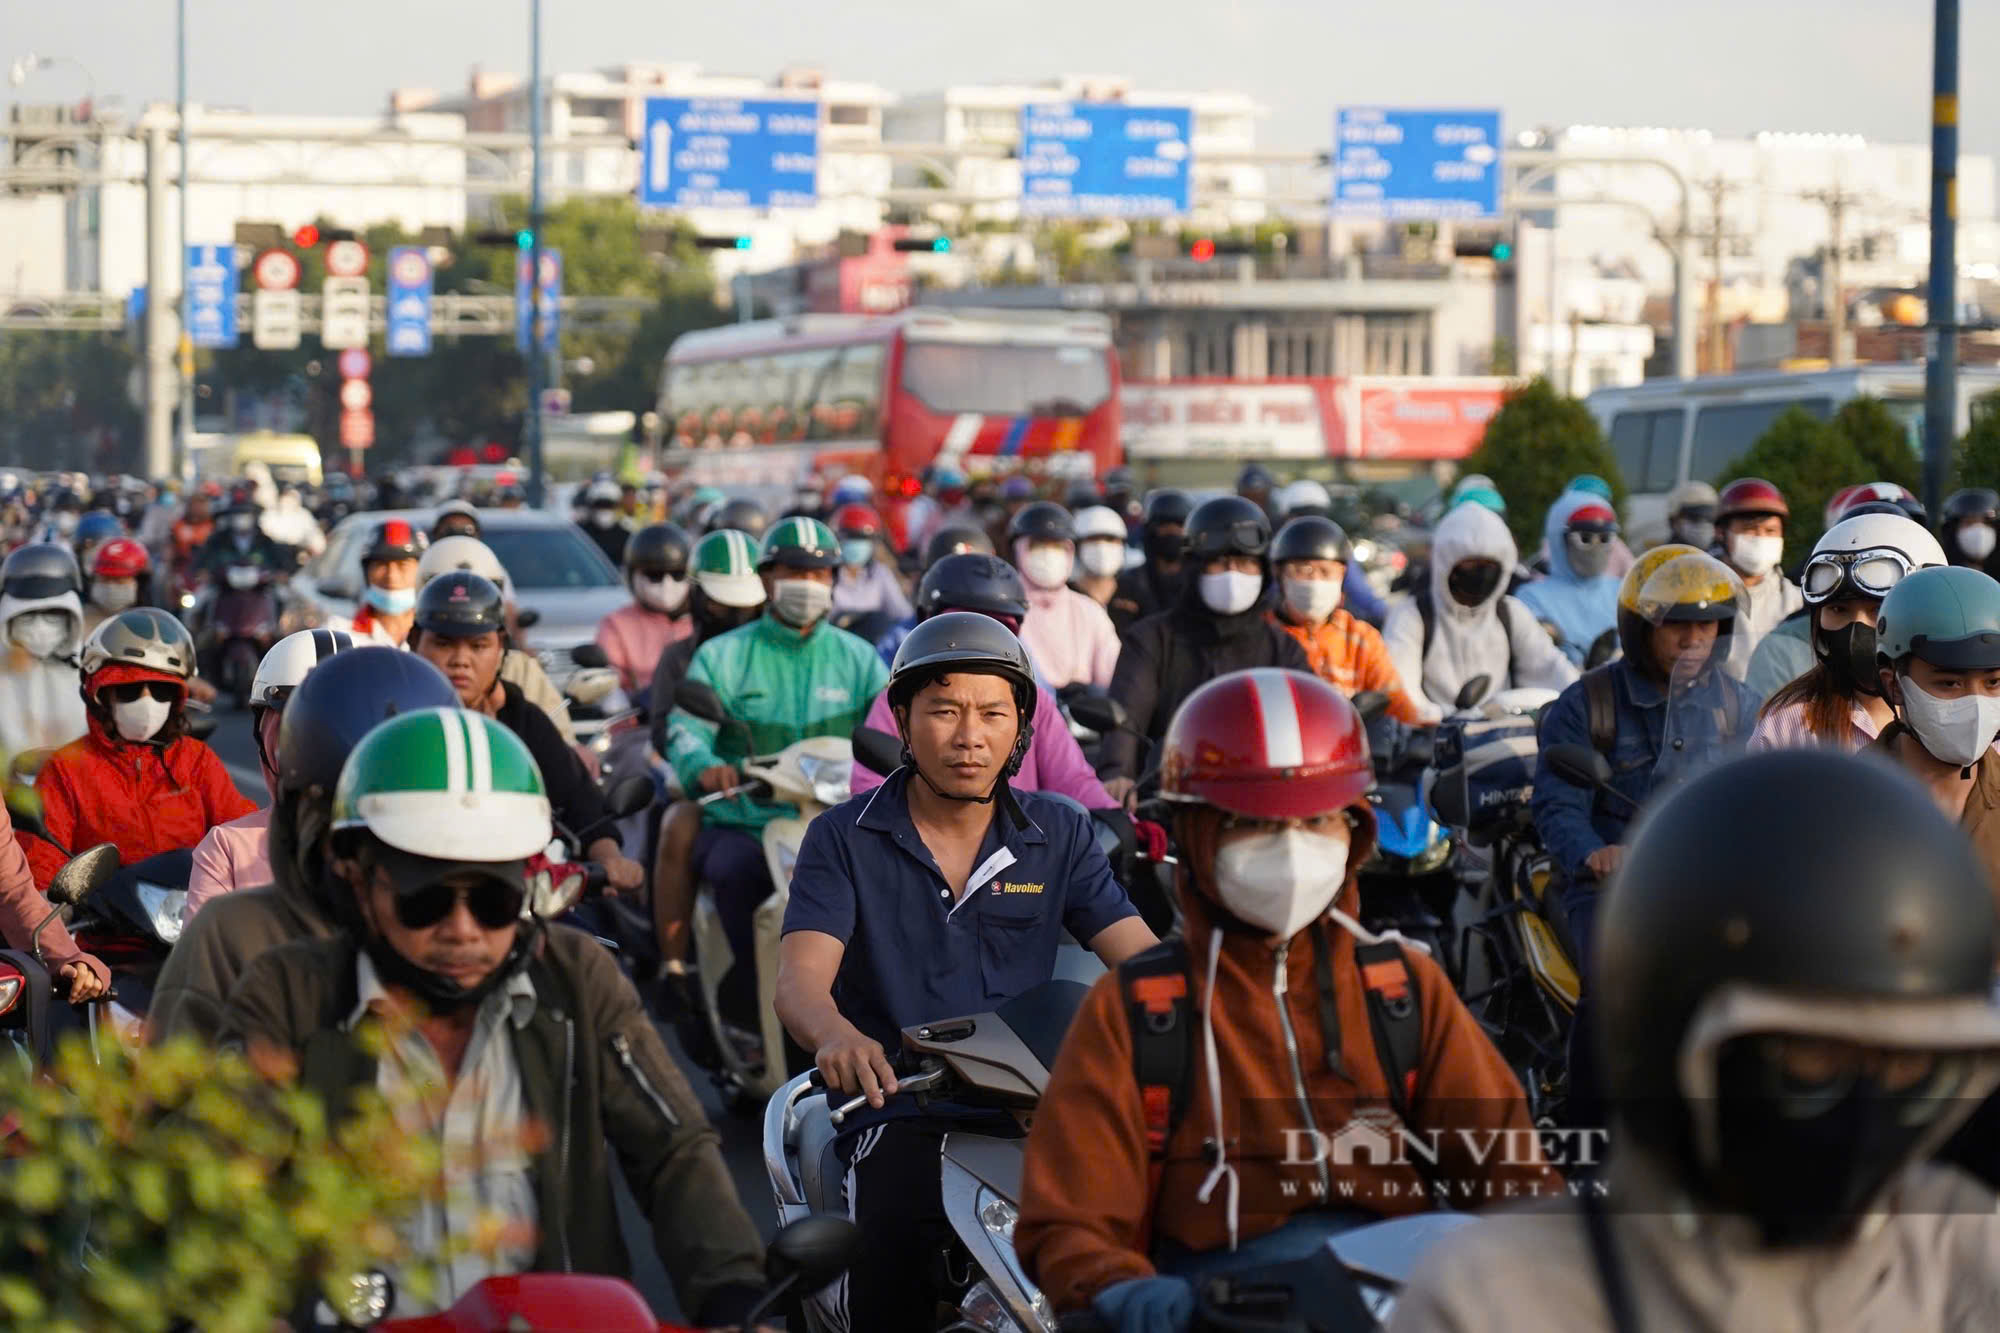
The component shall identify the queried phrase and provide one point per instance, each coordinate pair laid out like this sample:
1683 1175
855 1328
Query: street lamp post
182 457
532 421
1941 335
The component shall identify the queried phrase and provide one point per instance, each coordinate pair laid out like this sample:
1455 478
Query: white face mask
141 719
664 594
1756 556
1047 566
1231 592
115 595
1956 731
603 518
800 602
1282 882
1696 532
1103 559
40 633
1976 540
1312 600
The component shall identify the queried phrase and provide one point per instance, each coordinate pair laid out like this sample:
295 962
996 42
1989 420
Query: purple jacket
1053 763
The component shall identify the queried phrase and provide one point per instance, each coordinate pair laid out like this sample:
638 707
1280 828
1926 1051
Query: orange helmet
1268 744
857 520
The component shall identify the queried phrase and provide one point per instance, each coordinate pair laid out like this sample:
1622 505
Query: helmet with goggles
1224 526
1866 556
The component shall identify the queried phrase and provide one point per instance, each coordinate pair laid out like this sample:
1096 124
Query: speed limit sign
346 259
275 270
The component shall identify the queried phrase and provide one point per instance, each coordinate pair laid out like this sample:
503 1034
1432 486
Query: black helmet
461 605
741 514
966 641
659 550
1973 502
1875 931
1257 476
41 571
394 539
1311 538
1042 521
1168 506
1226 525
954 538
1082 494
973 581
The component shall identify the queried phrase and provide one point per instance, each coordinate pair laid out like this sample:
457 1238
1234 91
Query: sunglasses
130 691
1831 576
491 903
1590 537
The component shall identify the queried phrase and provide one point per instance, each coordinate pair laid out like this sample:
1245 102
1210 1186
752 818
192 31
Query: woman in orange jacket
1276 994
136 779
1309 559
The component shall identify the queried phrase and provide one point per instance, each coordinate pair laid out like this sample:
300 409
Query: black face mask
1163 547
1848 654
1473 582
1805 1163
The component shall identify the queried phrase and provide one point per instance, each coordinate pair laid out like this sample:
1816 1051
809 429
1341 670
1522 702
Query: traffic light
1482 245
524 239
722 242
306 237
1201 249
936 245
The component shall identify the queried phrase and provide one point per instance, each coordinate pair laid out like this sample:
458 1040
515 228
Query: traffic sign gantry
346 259
720 152
1416 164
1105 159
275 270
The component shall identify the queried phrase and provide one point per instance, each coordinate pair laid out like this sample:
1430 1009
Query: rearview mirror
1473 691
628 796
83 874
527 617
1602 649
1579 764
877 750
698 700
1100 712
589 655
812 1251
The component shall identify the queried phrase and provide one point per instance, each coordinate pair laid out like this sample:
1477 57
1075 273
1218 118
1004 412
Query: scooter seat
821 1174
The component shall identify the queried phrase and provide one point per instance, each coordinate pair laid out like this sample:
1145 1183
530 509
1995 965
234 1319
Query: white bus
1666 431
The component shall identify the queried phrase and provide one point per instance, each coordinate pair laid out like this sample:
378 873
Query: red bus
764 408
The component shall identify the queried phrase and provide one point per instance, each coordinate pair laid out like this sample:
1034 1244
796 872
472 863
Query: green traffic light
1502 253
742 242
524 239
942 245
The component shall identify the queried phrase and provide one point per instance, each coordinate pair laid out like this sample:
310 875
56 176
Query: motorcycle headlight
832 779
163 908
997 1215
982 1308
10 991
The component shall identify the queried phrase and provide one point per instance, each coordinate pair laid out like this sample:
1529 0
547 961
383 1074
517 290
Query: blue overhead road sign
1105 159
726 152
409 301
1416 164
524 309
211 289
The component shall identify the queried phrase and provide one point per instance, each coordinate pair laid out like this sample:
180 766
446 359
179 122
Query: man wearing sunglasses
1219 626
519 1047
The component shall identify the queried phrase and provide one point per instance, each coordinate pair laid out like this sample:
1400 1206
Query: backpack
1428 611
1158 988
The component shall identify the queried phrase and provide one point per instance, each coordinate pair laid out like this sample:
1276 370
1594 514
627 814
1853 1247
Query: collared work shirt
485 1223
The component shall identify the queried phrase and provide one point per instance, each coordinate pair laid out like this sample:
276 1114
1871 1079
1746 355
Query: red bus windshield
1007 379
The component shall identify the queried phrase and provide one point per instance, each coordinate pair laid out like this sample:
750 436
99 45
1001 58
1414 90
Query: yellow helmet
1676 583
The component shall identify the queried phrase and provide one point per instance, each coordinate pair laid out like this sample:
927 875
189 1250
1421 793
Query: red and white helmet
1874 492
1268 744
120 558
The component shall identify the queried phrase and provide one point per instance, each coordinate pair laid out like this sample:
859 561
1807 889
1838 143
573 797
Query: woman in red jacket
136 779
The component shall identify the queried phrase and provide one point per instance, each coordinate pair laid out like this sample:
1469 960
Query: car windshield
554 557
1007 379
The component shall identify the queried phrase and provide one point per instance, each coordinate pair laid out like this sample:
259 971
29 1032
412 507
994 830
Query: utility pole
159 323
1941 337
1837 202
183 458
1718 190
532 422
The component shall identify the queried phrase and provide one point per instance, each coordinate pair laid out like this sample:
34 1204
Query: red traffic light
1201 250
306 237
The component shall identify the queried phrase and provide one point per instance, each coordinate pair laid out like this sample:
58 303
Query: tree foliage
1978 456
1534 445
1808 460
1880 441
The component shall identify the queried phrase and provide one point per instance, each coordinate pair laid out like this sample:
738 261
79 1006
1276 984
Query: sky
1732 66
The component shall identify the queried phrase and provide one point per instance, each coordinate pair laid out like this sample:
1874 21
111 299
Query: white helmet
1866 556
1097 521
604 491
1691 495
1303 494
449 554
285 666
143 636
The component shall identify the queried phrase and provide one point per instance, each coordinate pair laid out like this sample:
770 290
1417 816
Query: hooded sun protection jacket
1070 637
1582 608
40 708
1470 640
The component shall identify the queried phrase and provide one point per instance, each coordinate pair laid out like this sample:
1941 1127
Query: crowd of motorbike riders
1742 780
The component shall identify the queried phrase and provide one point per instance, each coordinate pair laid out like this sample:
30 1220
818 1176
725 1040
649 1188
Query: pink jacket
634 637
22 908
1070 637
233 856
1054 763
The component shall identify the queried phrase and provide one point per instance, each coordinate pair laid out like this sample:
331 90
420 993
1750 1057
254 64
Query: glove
1152 839
1146 1305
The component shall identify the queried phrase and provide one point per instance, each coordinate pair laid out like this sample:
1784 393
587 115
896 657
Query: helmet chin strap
1008 770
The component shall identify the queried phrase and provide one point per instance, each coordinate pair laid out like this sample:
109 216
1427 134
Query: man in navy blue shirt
941 893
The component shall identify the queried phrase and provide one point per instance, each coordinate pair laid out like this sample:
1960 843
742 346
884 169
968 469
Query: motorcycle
747 1053
593 695
239 628
132 922
28 991
801 1258
1000 1061
1409 884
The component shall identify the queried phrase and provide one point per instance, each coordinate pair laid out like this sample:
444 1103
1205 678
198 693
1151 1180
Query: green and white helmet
800 543
725 568
446 784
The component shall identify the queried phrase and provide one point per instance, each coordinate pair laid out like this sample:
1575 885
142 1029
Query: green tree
1881 442
1808 460
1978 456
1533 446
63 401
